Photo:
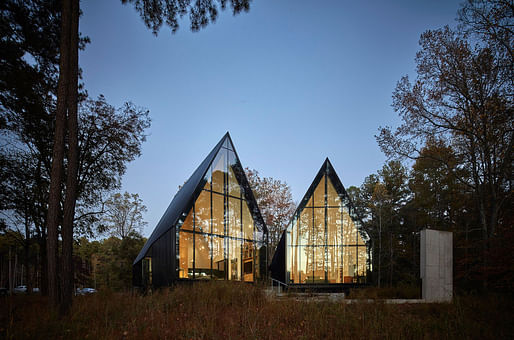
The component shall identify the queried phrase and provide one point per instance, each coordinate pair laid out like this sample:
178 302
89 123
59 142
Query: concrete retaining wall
436 265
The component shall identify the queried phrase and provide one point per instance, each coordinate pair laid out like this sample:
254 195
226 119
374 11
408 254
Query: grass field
221 310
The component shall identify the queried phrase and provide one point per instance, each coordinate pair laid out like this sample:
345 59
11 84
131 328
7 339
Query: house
324 244
212 228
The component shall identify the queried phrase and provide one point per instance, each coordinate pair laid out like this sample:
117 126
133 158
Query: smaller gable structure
324 244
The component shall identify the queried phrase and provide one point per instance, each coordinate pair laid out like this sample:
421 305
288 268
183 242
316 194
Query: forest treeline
63 154
456 136
397 202
104 264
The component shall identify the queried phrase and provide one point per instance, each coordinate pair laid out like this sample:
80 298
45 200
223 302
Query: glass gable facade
211 230
324 242
219 238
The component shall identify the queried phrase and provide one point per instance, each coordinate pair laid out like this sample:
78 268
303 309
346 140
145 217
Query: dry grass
221 310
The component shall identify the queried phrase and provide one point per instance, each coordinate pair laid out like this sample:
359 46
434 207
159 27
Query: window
323 241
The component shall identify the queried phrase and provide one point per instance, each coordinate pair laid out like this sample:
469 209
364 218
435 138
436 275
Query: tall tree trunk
26 261
56 174
390 259
379 246
72 170
11 279
43 260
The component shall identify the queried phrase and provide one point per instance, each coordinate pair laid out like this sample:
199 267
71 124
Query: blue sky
293 82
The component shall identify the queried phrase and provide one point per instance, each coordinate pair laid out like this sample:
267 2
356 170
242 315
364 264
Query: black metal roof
185 197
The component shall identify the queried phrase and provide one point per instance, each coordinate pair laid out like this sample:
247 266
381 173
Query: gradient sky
293 82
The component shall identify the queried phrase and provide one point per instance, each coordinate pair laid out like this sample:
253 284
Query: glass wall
323 242
218 238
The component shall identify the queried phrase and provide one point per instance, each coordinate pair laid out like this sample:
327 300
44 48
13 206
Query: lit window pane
347 229
333 199
360 240
219 170
319 194
185 255
248 261
234 263
188 222
309 202
295 264
217 214
218 258
318 235
334 264
333 226
305 227
247 222
306 264
233 185
202 257
362 256
350 263
203 212
234 217
319 264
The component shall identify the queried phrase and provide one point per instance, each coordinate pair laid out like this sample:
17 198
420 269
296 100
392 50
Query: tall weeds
228 310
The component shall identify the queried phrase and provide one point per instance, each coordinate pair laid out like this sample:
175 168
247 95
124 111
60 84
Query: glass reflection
305 227
318 233
247 222
319 264
186 255
188 222
203 212
218 258
221 243
234 217
319 194
234 254
202 257
218 214
323 241
219 170
333 199
248 262
233 186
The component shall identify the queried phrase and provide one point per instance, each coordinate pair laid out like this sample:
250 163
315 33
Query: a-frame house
212 228
324 244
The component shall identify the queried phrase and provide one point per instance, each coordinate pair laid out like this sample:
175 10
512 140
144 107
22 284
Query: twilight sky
293 82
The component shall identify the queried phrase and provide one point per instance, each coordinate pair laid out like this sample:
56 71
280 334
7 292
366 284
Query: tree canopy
457 116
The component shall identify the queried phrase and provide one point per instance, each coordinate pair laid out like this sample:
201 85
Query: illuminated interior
218 238
324 241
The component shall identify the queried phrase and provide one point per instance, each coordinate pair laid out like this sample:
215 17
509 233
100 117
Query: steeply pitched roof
185 197
326 169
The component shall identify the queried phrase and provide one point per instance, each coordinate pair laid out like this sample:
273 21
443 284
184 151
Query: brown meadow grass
227 310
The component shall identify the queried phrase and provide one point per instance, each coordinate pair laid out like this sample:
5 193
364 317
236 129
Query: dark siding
137 279
162 260
278 264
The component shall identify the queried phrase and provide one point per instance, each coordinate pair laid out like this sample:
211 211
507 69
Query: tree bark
26 250
72 170
56 174
43 266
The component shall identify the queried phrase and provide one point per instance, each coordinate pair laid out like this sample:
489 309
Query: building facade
324 243
212 229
